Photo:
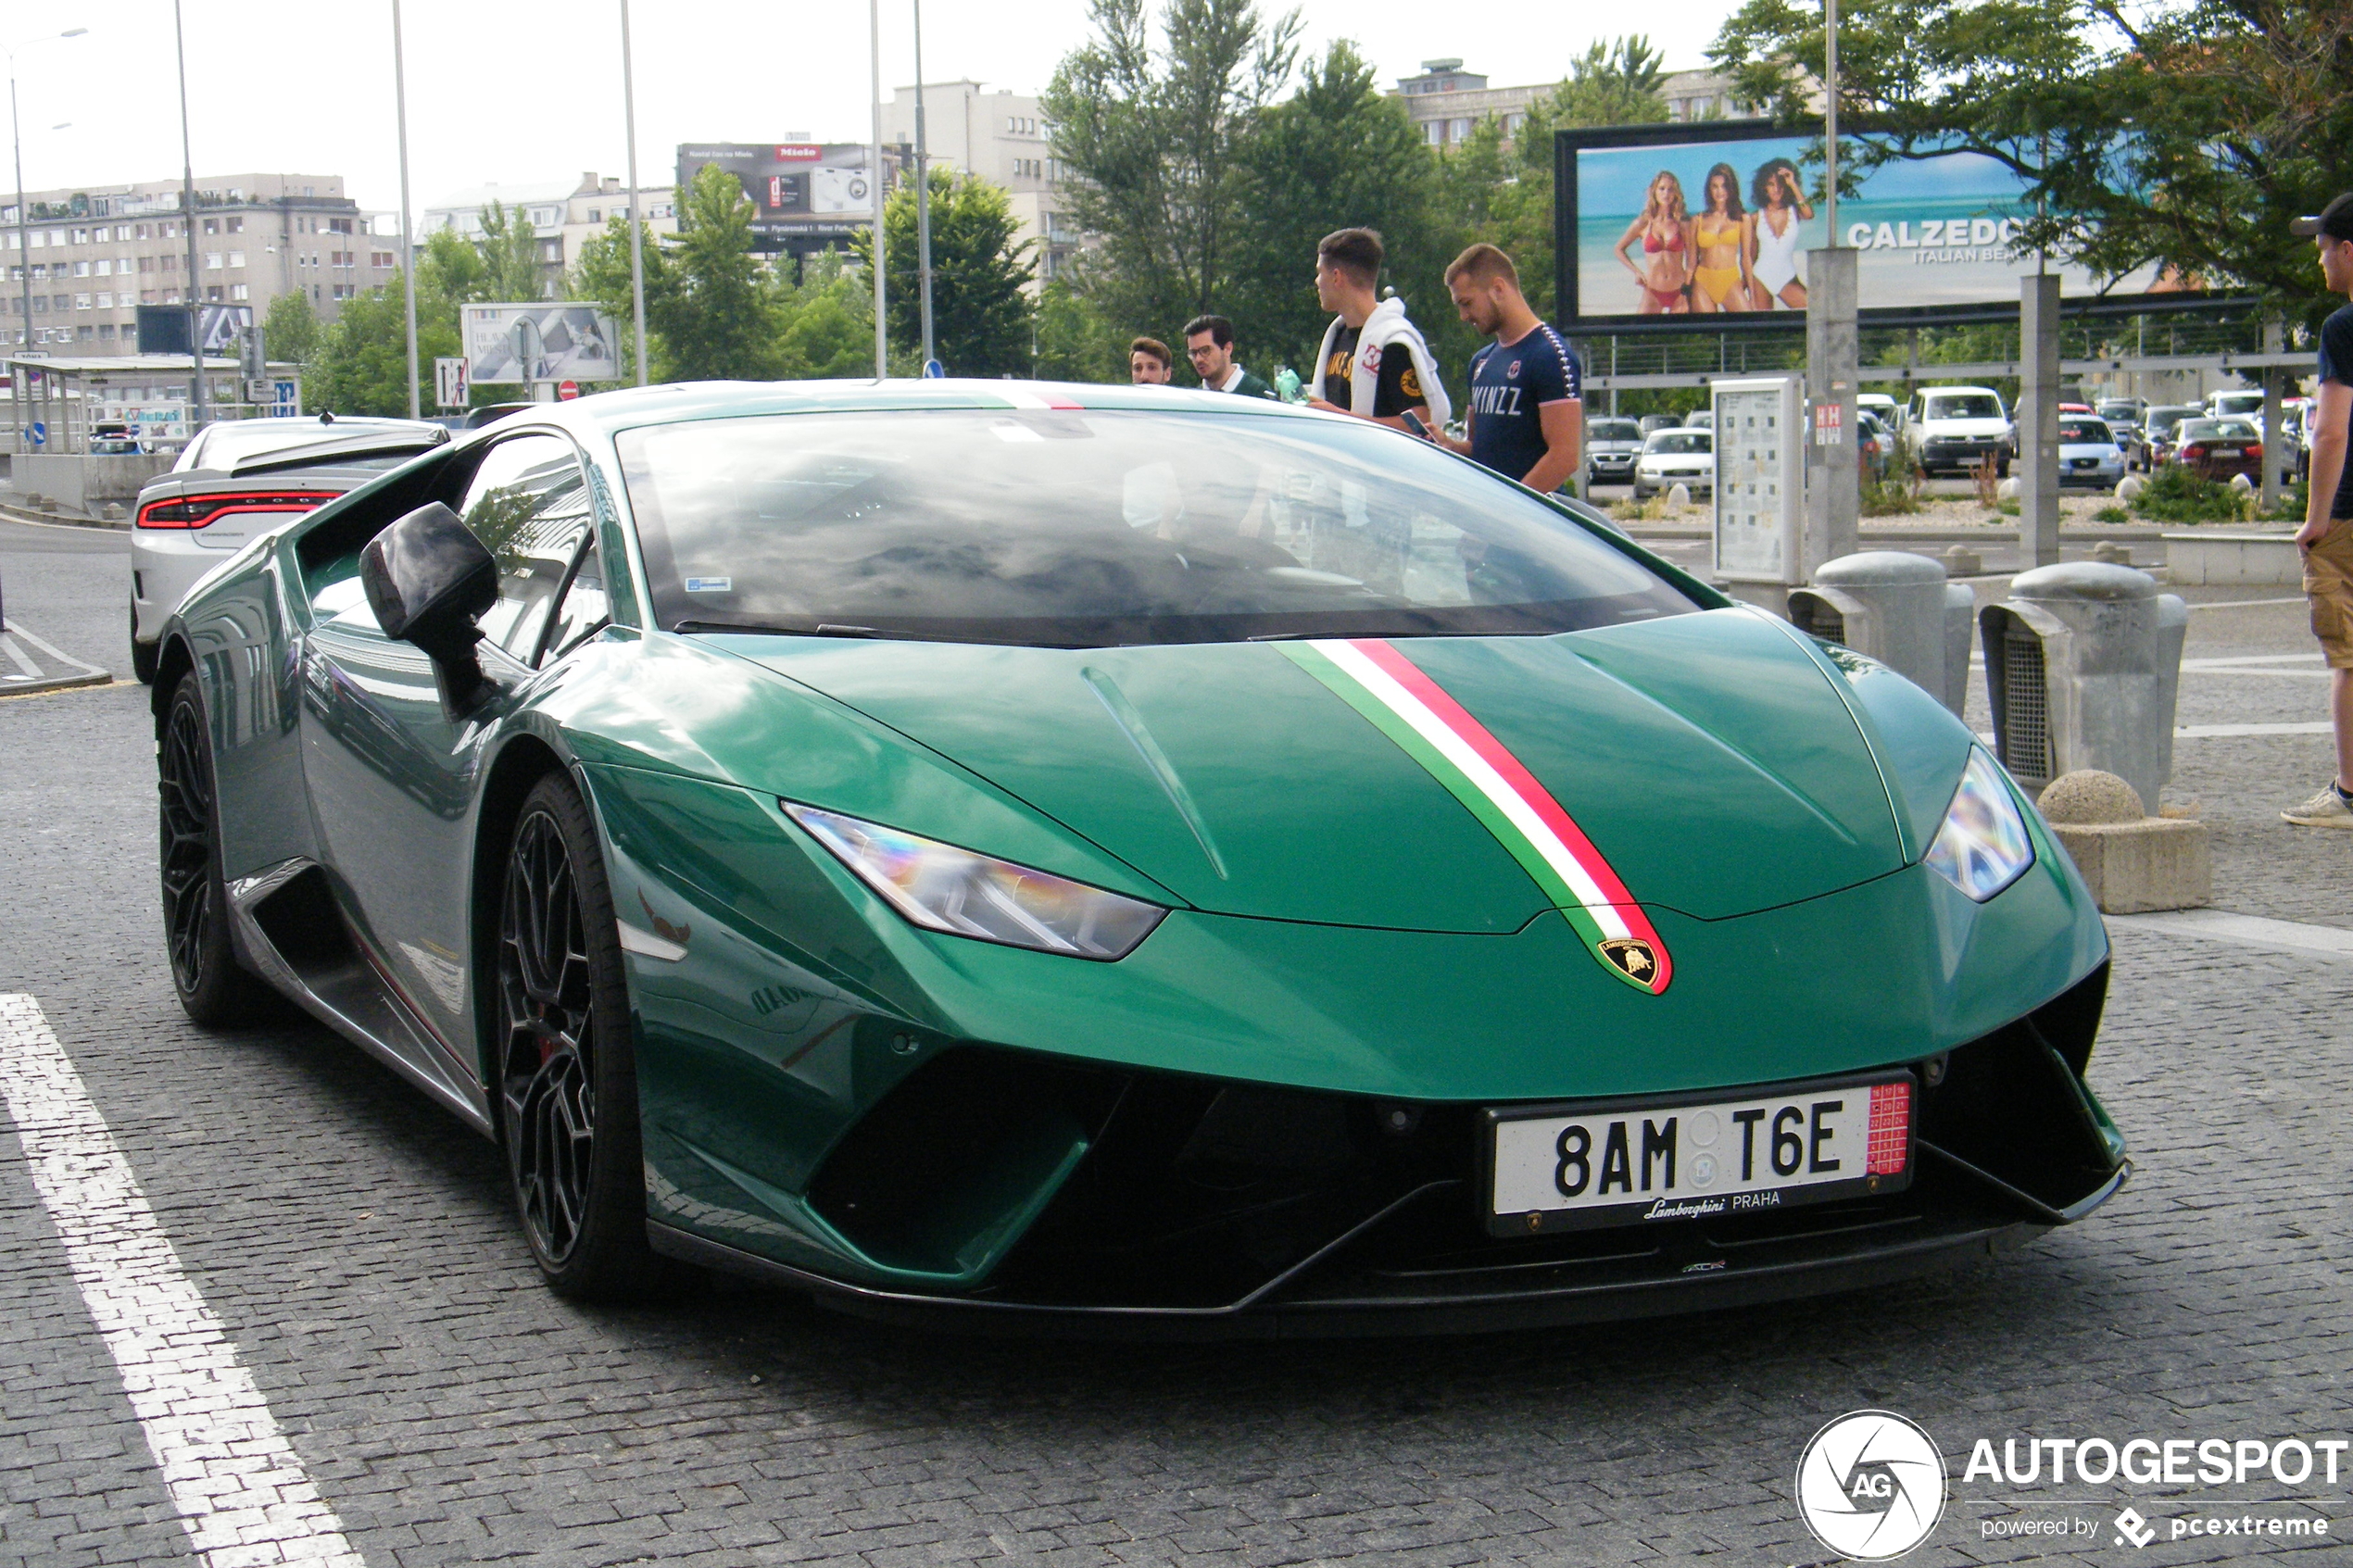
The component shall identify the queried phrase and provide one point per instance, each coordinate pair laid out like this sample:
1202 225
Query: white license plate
2224 451
1571 1167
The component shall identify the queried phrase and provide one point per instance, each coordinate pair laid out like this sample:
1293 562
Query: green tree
827 321
2181 137
1152 137
291 329
980 309
1338 154
1612 84
1073 340
509 252
713 308
363 354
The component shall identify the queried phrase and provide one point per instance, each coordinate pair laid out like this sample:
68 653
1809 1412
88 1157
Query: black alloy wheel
213 987
567 1079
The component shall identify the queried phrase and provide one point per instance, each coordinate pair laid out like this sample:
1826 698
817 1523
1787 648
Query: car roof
626 407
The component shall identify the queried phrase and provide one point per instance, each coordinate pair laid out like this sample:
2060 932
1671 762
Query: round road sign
566 391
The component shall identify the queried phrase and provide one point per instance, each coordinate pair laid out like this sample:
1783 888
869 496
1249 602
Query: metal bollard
1896 608
2082 663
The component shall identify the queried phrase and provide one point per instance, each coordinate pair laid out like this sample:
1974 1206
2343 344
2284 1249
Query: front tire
213 988
567 1076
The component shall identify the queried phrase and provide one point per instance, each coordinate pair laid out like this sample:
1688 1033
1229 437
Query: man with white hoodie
1374 363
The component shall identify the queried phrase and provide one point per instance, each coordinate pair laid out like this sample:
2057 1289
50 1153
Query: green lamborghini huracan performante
1121 859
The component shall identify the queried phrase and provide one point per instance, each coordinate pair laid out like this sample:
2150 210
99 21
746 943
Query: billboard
518 345
163 329
799 191
1681 221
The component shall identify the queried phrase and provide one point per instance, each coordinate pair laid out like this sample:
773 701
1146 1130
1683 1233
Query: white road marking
2208 666
62 658
239 1485
2251 931
2225 732
2246 604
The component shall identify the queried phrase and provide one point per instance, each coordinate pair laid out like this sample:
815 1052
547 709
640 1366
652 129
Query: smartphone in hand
1415 425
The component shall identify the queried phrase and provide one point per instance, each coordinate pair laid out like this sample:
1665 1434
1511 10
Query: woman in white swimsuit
1773 234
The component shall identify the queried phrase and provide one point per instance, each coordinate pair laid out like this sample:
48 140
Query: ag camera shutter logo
1870 1486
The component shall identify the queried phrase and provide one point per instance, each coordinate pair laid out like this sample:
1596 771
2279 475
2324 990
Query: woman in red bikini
1664 229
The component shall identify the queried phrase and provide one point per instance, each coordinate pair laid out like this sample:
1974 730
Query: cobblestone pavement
356 1246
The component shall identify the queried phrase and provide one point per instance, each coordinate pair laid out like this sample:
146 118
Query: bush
2175 494
2111 514
1888 500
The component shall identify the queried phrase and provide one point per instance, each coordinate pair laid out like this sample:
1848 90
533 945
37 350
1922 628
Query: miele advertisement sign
799 191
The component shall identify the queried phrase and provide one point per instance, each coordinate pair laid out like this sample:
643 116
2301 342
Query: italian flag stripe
1393 693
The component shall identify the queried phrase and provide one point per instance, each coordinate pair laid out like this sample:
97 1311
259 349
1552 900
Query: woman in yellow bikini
1720 272
1664 227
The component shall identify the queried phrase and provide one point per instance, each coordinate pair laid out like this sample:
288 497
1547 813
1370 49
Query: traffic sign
934 370
449 382
39 433
567 390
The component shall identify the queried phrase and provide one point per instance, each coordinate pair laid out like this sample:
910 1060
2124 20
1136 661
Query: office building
1005 138
1448 102
90 256
564 216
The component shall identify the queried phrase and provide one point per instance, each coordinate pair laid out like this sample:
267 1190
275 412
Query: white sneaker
2326 810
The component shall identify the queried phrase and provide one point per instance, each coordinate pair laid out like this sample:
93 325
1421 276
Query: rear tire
214 989
567 1077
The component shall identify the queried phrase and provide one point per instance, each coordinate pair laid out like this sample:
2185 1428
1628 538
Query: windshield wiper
830 629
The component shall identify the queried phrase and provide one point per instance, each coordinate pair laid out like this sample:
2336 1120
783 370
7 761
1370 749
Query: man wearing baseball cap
2326 538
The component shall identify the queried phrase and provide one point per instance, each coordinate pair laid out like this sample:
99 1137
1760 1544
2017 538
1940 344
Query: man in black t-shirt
1395 360
1526 417
2326 537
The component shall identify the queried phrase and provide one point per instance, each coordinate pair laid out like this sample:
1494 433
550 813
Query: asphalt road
352 1247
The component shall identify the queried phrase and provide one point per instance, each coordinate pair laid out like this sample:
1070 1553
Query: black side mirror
429 580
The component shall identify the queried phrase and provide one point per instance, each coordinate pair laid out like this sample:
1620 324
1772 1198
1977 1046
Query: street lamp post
24 238
882 338
923 194
188 216
408 247
637 230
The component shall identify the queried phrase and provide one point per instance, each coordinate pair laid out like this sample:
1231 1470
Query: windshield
1094 529
2115 411
2084 432
1978 406
1615 430
2164 419
2216 430
1682 441
2238 403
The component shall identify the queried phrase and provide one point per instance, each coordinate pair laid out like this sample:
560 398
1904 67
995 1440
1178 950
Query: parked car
2157 429
1611 447
1874 443
1890 412
1949 429
222 446
2235 404
1659 421
1675 456
1034 882
190 520
2088 453
2123 417
1700 419
2218 448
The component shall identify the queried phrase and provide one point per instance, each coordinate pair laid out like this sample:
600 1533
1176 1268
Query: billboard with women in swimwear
1683 221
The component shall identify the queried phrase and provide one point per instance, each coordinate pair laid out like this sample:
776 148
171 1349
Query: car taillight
2193 452
196 511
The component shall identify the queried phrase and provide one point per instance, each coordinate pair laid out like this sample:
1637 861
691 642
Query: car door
393 773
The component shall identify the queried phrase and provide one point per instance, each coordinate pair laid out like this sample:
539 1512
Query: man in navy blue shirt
2327 534
1526 414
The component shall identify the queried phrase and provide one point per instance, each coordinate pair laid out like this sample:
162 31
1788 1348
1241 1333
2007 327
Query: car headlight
1982 848
941 887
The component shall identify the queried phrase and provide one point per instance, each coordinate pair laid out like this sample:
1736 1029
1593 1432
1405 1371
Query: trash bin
2082 663
1896 608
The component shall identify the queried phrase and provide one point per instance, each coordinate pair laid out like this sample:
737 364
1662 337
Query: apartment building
1448 102
1002 137
564 216
89 256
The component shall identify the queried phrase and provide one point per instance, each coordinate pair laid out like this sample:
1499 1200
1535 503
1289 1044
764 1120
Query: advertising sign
805 191
521 345
1760 479
1676 220
163 329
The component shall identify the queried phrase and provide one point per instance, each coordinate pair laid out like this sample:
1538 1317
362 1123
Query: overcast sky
527 90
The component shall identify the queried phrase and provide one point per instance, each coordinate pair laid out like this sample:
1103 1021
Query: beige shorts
2328 582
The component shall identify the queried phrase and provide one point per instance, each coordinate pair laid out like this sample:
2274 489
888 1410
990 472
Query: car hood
1707 757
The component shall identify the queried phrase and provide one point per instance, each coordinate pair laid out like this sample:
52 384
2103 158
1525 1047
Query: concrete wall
2214 558
84 483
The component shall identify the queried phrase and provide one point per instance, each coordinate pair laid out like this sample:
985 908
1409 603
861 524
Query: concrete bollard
1678 496
2108 550
1896 608
2133 862
1962 562
2131 486
2082 663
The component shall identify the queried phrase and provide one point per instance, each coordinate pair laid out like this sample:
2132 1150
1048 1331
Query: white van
1947 429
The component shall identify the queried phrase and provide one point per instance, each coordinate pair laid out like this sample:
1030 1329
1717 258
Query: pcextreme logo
1870 1486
